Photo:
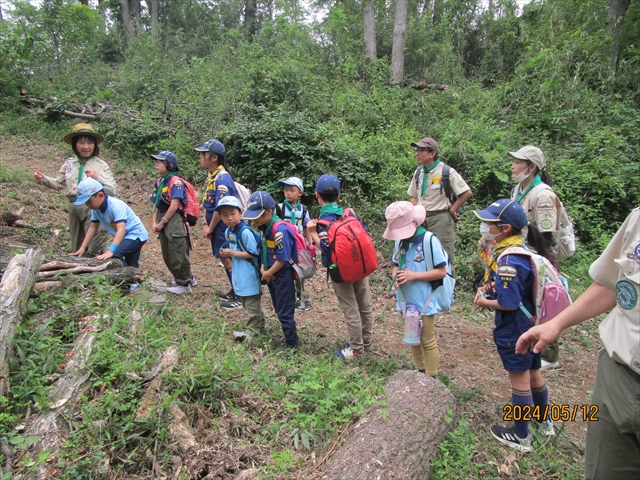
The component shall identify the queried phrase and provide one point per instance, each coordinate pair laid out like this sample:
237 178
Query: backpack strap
275 226
417 177
444 183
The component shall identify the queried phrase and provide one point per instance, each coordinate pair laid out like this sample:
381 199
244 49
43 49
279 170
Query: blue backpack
443 288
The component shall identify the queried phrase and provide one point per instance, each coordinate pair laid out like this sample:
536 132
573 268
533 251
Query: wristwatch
163 220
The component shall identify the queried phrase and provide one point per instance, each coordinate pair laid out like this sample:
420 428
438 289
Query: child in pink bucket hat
418 259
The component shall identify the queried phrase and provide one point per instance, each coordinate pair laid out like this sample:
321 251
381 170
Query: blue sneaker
368 346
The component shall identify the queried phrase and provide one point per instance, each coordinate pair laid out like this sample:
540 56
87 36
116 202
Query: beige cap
532 154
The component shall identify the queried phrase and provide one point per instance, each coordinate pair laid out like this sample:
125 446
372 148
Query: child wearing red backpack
354 297
168 222
510 291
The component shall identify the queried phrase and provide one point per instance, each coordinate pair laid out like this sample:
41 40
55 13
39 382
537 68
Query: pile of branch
84 111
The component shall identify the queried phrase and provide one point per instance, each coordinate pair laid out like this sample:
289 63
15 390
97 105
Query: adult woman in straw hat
85 144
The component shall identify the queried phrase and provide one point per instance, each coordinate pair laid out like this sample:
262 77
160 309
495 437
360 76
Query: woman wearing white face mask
542 206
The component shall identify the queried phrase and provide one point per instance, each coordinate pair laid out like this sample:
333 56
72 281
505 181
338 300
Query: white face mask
522 176
484 231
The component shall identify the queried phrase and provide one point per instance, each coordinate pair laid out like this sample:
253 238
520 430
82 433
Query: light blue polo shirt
417 292
114 211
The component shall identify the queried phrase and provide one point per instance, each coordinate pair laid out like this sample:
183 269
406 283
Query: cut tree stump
53 425
399 443
17 281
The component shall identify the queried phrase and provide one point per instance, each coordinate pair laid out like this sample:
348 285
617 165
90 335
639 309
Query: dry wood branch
52 425
170 357
17 281
76 269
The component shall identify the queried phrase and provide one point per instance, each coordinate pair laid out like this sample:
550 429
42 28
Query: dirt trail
467 352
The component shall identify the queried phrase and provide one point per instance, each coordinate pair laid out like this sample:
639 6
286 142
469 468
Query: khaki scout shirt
435 199
68 176
542 206
618 269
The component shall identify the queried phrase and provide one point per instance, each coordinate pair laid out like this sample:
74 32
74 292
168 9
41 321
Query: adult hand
105 256
91 173
455 214
538 337
38 176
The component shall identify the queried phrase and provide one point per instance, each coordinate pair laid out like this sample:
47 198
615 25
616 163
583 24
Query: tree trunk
370 49
615 16
127 22
135 8
437 12
397 52
17 281
250 18
103 12
153 8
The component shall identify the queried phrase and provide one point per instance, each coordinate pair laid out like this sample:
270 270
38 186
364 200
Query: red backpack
353 255
192 207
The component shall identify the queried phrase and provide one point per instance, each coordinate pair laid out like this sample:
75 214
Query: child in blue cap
117 218
510 284
169 200
278 253
220 184
243 248
293 211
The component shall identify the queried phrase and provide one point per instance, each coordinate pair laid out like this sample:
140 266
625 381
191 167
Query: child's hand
91 173
78 253
405 275
227 252
311 225
267 276
38 176
481 298
105 256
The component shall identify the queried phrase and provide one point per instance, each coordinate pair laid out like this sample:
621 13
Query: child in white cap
414 250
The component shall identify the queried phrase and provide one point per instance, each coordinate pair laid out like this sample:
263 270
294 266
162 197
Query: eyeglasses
422 150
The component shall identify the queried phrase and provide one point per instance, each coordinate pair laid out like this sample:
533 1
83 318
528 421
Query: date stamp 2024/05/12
556 413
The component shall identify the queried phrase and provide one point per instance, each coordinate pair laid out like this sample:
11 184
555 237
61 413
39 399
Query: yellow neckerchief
492 257
211 180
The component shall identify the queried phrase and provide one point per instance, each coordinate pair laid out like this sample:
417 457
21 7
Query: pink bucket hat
403 218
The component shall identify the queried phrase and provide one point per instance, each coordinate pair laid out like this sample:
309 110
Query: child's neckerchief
404 247
520 196
292 208
274 218
332 208
211 180
82 162
512 241
161 184
426 171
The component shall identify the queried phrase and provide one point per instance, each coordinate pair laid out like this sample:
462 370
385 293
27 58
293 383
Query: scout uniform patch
626 294
506 273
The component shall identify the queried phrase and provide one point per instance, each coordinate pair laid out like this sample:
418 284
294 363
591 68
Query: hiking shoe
179 289
546 427
232 304
348 353
368 346
241 336
303 308
194 282
547 365
507 435
225 297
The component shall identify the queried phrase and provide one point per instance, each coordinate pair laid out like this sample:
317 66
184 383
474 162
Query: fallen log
401 441
53 425
17 281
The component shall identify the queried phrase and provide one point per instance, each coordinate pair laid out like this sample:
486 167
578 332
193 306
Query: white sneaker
194 282
179 289
241 336
348 353
547 365
546 428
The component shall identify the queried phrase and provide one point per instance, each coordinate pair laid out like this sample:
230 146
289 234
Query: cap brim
155 157
220 207
252 214
400 233
68 138
82 200
515 155
201 148
486 216
284 183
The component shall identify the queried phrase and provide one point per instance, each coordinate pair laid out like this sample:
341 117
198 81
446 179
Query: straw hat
82 129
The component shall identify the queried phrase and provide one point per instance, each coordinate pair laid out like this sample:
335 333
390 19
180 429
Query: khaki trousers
426 355
255 316
174 243
355 302
441 224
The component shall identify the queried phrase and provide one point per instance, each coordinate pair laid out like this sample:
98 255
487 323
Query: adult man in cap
433 186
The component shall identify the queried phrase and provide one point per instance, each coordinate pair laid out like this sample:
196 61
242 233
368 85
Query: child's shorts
513 362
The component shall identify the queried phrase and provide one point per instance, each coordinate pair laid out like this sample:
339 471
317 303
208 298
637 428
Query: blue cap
86 189
168 157
229 201
327 180
214 146
292 182
505 211
256 205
